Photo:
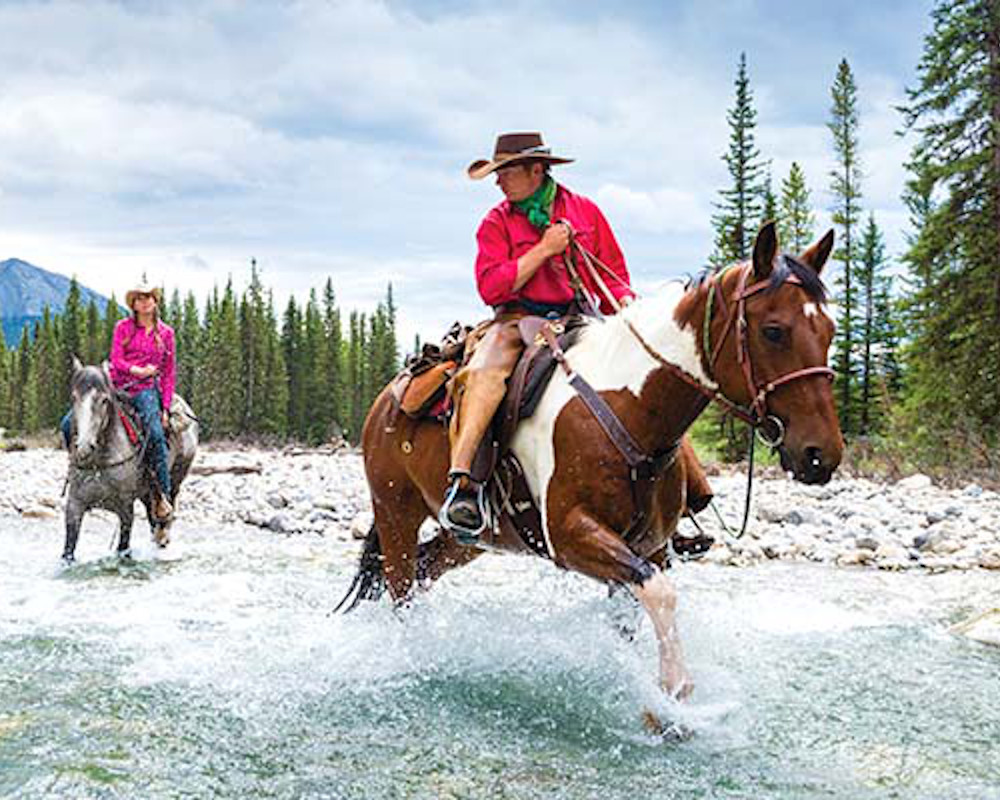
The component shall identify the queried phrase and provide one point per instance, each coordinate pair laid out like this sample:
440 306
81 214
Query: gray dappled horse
106 470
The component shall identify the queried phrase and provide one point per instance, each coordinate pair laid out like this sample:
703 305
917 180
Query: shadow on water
115 567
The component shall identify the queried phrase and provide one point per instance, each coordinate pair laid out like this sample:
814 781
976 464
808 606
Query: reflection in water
219 672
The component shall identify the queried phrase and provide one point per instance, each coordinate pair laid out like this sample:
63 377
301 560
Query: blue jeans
65 425
150 408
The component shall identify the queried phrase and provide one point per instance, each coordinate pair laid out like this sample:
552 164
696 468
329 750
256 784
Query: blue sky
331 139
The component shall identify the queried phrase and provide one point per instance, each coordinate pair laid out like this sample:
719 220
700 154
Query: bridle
756 414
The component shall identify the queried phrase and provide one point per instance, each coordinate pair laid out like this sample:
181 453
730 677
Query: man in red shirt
519 271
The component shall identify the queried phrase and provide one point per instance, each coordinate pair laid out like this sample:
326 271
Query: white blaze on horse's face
87 422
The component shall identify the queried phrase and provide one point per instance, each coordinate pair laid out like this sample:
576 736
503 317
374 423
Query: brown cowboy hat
511 147
143 288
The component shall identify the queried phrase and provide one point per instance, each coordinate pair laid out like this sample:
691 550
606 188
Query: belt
550 310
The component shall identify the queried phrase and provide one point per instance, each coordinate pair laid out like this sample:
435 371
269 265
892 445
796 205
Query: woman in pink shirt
142 364
519 271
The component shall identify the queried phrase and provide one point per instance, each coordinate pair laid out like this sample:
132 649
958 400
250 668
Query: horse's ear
77 366
816 255
764 251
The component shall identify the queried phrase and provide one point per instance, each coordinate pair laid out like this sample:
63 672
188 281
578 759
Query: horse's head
92 408
774 360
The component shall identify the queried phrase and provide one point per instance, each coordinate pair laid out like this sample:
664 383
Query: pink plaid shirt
142 349
505 235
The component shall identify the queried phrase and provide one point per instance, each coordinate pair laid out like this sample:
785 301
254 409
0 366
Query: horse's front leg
126 516
584 544
74 517
658 597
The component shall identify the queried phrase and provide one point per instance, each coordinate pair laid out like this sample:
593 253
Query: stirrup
463 535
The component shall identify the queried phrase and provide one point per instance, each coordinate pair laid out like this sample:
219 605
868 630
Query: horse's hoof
681 691
68 559
162 537
671 733
125 555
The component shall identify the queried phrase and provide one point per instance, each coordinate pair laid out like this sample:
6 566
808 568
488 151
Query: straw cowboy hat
511 147
143 288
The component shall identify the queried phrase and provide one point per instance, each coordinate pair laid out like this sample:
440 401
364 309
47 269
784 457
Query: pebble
850 522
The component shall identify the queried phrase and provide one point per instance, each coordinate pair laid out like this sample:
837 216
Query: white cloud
331 138
664 210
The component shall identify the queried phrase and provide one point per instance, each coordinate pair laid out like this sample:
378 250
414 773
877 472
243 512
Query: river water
217 672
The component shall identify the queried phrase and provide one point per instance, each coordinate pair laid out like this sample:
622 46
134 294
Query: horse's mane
90 378
785 267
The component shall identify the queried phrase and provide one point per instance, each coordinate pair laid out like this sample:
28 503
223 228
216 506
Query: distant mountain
26 289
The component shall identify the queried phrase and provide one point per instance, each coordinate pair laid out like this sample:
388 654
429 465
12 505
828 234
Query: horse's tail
369 582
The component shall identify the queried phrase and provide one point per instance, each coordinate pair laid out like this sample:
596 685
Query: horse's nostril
814 458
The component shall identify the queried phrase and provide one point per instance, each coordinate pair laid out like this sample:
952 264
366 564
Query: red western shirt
505 235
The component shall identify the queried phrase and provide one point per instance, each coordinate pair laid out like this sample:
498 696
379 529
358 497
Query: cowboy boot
162 509
464 510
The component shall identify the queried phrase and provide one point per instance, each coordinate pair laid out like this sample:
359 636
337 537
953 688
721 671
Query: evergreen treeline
865 353
917 351
952 304
244 371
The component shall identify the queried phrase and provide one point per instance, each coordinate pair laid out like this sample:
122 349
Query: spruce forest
248 371
917 351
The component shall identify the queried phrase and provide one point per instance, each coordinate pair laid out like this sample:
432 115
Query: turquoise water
218 673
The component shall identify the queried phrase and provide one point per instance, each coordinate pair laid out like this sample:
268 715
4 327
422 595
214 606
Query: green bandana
538 207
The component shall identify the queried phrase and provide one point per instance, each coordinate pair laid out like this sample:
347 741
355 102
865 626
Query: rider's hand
555 239
166 419
142 372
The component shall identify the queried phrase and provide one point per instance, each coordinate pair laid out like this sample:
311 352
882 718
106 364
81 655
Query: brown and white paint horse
764 347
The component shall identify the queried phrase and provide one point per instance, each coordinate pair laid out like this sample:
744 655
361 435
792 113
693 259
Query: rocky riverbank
908 525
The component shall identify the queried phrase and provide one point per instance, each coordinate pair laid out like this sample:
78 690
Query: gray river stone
850 521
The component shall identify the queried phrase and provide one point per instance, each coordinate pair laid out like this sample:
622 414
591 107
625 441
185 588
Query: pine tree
253 353
112 313
46 369
877 331
768 200
954 303
796 222
846 189
291 346
333 369
355 372
313 357
205 387
95 346
739 210
23 400
222 362
71 338
6 360
739 213
188 342
274 415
